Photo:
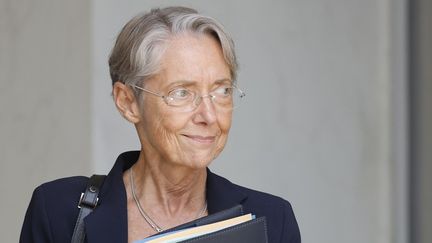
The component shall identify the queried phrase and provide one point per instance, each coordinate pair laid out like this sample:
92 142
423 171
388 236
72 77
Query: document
189 233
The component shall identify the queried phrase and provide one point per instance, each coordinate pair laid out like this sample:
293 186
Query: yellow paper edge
208 228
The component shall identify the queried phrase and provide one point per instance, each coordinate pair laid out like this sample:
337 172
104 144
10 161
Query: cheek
158 126
166 128
224 122
171 122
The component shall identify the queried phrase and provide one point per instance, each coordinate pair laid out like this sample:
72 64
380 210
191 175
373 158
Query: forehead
196 58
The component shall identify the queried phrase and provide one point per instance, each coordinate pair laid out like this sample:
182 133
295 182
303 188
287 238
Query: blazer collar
221 193
108 222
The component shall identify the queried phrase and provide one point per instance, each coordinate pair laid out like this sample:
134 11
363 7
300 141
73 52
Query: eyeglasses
225 97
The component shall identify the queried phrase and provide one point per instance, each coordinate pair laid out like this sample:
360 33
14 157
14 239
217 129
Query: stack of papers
189 233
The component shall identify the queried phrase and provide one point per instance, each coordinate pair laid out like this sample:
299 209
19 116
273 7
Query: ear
125 102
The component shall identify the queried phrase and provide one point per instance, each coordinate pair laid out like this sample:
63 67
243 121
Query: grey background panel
45 94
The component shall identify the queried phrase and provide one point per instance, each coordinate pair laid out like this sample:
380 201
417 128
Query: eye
180 94
223 91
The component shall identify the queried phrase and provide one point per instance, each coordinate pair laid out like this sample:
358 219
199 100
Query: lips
201 139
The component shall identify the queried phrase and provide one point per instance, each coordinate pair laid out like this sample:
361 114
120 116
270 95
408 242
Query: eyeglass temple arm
148 91
242 94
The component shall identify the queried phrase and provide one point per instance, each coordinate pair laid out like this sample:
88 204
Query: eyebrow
219 81
192 82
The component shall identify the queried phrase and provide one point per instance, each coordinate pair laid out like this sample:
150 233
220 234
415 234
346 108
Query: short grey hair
140 45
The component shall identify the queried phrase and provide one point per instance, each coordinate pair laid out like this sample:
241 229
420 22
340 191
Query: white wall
316 127
44 100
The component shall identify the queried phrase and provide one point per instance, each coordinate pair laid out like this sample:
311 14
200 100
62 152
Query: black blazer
53 210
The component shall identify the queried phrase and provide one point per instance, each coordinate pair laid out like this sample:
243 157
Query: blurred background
337 117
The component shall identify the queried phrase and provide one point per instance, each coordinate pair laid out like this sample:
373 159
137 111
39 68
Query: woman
173 74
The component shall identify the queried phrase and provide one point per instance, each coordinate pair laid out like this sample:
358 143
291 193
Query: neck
169 190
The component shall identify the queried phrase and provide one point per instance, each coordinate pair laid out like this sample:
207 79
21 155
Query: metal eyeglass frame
194 100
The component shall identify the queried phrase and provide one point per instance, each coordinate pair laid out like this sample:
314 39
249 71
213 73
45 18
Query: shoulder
281 222
260 201
59 185
275 208
262 198
62 192
53 209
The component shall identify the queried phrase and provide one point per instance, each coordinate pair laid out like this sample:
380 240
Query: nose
205 110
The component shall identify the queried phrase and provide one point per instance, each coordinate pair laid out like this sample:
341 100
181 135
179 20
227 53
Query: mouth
201 139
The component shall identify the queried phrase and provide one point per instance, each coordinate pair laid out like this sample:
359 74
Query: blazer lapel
222 194
108 222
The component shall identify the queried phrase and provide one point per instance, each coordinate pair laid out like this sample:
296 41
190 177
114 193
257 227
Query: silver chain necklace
147 218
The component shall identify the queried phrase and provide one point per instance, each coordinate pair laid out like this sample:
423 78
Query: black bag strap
88 201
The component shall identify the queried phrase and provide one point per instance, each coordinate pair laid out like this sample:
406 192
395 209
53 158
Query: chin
199 162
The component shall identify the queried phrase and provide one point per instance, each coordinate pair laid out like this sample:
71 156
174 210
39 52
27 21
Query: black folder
253 231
